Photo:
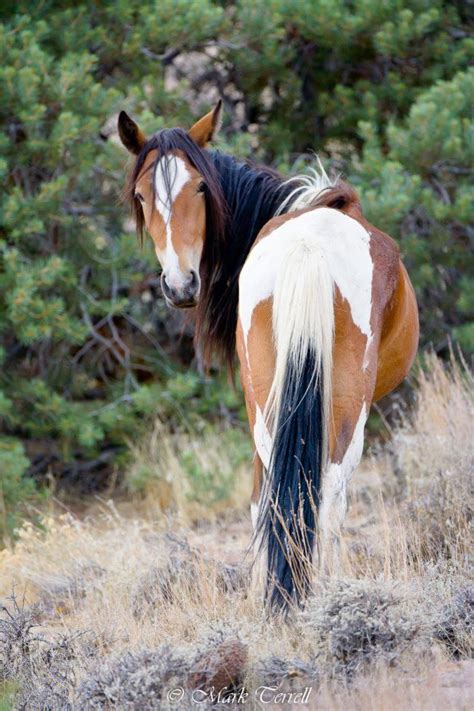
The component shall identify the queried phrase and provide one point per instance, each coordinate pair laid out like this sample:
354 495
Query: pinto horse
315 300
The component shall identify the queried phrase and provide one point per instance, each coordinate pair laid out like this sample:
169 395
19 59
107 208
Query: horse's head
174 193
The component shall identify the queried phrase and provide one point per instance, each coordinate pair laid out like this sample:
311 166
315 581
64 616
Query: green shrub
15 488
89 352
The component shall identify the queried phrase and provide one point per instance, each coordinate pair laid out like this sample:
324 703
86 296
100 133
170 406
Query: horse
315 301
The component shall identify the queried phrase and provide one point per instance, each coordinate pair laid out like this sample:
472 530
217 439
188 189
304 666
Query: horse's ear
130 134
207 127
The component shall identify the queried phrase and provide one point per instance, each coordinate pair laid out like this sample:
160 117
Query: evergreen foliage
88 349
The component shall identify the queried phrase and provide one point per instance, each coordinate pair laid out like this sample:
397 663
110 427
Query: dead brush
18 636
161 584
286 675
438 517
43 669
134 681
350 624
63 593
141 680
185 567
455 625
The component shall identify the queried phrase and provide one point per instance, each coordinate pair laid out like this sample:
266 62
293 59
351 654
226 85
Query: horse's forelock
164 142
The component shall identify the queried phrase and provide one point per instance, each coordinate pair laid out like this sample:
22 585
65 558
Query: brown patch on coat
257 367
394 317
399 337
342 197
352 385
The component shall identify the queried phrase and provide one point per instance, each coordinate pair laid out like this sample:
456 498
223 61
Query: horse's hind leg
334 490
353 382
352 394
257 362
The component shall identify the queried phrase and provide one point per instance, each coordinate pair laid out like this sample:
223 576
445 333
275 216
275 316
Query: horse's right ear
130 134
208 126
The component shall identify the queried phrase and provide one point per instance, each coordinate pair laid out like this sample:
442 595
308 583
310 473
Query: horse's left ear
207 127
130 134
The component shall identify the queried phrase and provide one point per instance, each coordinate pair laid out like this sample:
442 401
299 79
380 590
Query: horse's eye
140 197
201 187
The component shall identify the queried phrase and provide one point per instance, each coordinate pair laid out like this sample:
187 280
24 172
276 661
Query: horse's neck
253 196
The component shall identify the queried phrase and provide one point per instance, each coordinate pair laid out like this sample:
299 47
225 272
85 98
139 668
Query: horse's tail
298 412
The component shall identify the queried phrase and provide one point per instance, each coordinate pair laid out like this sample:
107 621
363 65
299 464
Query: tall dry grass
132 603
192 475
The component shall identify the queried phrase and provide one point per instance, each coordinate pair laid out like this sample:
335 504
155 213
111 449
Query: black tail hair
290 498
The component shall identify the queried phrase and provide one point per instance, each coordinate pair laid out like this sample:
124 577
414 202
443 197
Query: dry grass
431 458
194 476
128 607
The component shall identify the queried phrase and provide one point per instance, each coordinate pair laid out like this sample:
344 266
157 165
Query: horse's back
374 301
362 262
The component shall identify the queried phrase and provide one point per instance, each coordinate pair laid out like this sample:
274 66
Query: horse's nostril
165 286
194 280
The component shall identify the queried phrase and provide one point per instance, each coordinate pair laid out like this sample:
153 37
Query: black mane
240 200
252 196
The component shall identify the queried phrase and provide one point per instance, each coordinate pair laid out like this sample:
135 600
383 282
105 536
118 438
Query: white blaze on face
178 174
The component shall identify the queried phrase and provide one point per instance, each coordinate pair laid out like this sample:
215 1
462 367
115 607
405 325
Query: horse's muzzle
183 297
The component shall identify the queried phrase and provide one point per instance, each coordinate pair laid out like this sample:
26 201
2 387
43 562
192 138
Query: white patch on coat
262 439
345 245
178 177
335 479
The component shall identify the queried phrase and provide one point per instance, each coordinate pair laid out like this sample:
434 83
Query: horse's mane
316 189
252 196
240 200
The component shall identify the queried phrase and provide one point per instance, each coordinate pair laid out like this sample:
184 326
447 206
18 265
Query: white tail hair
309 188
303 322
